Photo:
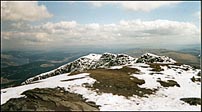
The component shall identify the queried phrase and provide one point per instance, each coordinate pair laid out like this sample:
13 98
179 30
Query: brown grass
168 83
118 81
192 101
156 67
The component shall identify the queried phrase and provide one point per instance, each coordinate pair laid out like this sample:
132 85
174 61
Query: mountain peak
152 58
92 56
150 54
105 60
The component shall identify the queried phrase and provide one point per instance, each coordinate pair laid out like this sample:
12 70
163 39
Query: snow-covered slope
106 60
165 98
91 61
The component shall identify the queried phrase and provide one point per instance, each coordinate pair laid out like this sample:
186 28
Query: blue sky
83 12
51 25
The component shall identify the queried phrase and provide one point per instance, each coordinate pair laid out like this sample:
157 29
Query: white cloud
144 6
71 33
93 26
26 11
35 37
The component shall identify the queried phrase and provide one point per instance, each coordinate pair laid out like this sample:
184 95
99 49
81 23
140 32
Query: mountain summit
110 82
152 58
105 60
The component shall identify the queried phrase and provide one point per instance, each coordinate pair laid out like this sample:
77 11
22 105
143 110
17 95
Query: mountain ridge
105 60
113 82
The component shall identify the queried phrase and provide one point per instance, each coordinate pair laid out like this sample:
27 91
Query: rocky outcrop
152 58
48 99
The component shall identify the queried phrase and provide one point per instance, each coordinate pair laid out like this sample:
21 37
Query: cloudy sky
50 25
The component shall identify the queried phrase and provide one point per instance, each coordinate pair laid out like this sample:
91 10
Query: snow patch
92 56
116 67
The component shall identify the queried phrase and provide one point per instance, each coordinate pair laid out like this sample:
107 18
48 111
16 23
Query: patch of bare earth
168 83
118 81
156 67
192 101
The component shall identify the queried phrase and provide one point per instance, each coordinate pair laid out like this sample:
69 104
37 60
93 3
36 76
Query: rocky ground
49 99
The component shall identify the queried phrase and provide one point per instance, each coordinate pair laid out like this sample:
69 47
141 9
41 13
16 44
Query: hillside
186 56
36 63
111 82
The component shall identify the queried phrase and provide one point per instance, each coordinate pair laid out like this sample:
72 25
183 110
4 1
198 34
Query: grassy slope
118 81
